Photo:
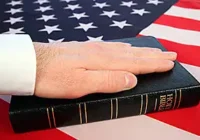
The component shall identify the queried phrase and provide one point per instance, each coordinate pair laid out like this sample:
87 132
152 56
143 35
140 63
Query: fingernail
156 50
171 63
130 81
174 54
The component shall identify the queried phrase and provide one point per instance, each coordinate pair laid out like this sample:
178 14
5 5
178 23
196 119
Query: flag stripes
188 37
184 12
177 22
178 30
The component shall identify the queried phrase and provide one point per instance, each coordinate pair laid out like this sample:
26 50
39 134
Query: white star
73 7
43 9
13 3
140 11
155 2
47 17
85 27
120 24
15 31
55 41
109 13
13 11
100 5
50 29
78 15
41 1
67 0
95 38
14 20
128 4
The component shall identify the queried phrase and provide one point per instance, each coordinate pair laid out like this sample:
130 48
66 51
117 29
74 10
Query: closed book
154 92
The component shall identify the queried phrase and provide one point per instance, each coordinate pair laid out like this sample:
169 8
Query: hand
75 69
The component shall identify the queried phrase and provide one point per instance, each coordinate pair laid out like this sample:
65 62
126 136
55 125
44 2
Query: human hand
75 69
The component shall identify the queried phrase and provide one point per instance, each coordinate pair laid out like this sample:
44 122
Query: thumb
109 81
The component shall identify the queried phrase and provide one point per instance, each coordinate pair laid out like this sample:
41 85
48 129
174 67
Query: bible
154 92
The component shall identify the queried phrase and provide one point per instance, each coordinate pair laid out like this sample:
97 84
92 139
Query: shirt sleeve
17 65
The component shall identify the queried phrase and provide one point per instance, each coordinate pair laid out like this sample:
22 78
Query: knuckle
126 51
137 62
157 67
110 82
94 46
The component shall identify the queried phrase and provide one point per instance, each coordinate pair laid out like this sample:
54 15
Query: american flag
80 20
175 23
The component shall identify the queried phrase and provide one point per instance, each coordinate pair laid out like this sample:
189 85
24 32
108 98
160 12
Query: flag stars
50 29
15 31
101 5
95 38
73 7
13 3
14 11
120 24
109 14
14 20
67 0
55 41
41 1
78 15
85 27
128 4
140 12
43 9
47 17
155 2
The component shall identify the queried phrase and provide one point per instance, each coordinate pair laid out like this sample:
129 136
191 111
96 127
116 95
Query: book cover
154 92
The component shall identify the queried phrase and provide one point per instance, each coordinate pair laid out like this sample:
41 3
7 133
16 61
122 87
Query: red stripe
192 4
6 132
178 22
186 119
186 53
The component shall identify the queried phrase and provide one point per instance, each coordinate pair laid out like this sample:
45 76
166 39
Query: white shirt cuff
17 65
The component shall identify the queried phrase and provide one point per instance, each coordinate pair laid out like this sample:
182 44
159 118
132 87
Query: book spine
108 109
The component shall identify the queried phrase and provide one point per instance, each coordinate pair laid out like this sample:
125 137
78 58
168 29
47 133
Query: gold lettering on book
54 119
141 105
80 114
85 108
180 98
48 118
146 104
169 101
162 102
111 109
155 105
116 107
175 99
165 102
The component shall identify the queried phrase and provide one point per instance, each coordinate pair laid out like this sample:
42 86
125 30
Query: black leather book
154 92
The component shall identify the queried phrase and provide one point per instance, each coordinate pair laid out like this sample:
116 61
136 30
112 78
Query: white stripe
194 70
5 98
184 12
173 34
137 127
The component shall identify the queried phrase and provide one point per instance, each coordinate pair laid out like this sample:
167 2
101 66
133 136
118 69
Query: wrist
44 53
41 52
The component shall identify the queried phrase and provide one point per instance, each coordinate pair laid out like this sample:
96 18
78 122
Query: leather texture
154 92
